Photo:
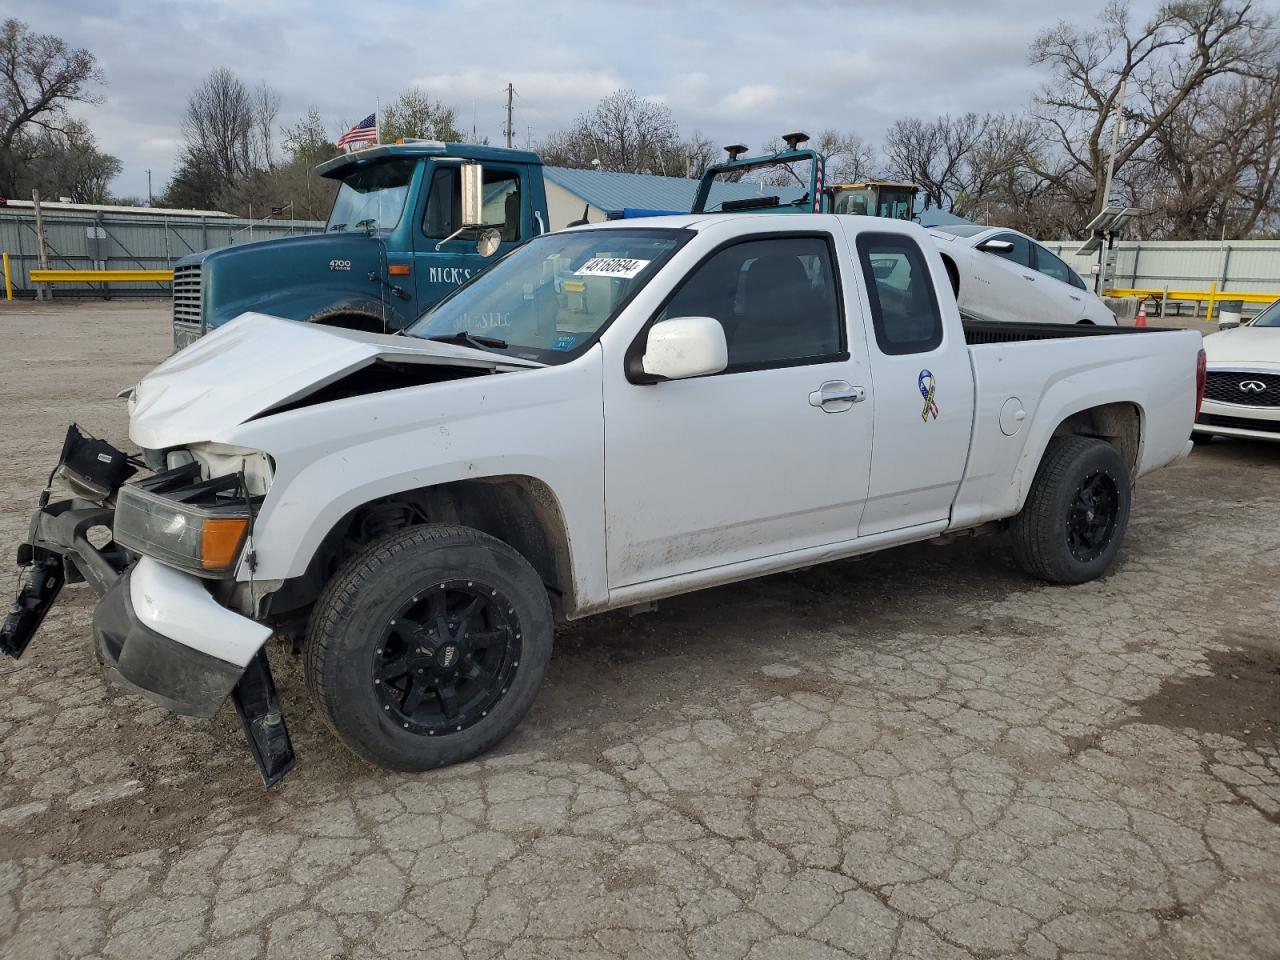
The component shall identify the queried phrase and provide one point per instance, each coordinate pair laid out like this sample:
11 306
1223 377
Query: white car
1242 382
609 415
1004 275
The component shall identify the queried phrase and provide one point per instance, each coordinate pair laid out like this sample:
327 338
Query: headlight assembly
196 525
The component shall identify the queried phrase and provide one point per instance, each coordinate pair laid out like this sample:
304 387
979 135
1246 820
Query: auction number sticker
622 267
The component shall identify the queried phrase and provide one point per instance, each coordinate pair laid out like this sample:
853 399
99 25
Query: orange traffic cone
1141 321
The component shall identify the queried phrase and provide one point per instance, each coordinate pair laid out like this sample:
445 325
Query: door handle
1027 276
836 396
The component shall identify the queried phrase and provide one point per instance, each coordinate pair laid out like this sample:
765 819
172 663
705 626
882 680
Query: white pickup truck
610 415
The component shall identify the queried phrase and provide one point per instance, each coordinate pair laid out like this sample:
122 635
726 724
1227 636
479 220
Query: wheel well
953 274
349 320
1086 322
1119 424
521 511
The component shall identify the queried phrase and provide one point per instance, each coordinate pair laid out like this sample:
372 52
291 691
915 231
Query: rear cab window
904 306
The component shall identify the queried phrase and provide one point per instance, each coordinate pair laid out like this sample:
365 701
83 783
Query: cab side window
904 306
501 203
776 298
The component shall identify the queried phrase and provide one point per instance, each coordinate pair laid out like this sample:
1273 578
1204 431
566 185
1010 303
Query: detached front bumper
159 632
153 627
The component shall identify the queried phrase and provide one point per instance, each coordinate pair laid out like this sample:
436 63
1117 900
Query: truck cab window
775 298
904 306
501 203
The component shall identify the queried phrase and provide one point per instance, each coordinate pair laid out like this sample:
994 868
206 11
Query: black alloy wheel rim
1092 516
447 657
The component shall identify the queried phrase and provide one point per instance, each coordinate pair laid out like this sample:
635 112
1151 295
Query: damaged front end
158 628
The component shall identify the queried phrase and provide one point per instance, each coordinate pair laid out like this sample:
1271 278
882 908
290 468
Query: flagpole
377 121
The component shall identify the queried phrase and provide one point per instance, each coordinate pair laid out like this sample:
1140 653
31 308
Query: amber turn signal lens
220 540
398 269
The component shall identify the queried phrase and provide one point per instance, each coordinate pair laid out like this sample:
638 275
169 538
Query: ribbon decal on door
928 389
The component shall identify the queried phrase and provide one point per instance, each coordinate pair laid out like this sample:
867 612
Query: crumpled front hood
1249 346
257 362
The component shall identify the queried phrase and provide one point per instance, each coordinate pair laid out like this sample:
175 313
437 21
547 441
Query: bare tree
227 127
698 152
266 107
1213 166
1162 63
39 77
944 156
850 159
623 132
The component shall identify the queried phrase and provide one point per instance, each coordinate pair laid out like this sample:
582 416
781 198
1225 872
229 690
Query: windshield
1269 317
552 296
372 197
960 229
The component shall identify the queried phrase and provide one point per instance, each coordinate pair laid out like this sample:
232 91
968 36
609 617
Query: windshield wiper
470 340
336 227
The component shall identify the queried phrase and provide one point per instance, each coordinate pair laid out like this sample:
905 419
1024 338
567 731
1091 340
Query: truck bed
981 332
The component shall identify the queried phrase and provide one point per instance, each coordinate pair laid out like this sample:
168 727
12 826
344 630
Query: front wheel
1074 520
429 647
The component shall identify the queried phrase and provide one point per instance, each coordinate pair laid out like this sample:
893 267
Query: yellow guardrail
1211 296
99 276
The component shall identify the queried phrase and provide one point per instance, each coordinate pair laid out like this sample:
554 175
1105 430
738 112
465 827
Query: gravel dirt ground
921 754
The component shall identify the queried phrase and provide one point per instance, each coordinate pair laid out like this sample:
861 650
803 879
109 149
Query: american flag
366 131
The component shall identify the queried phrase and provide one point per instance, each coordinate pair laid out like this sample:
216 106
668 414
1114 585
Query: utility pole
511 92
1116 123
149 201
42 253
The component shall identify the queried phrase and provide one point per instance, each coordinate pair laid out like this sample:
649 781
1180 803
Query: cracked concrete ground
922 754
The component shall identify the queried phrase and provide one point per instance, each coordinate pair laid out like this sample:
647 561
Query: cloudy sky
746 70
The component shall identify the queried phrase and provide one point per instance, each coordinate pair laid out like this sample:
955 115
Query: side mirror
685 347
488 242
472 195
996 246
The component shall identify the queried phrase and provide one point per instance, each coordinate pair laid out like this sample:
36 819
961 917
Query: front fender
546 424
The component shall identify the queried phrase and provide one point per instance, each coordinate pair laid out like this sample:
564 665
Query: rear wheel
429 647
1071 527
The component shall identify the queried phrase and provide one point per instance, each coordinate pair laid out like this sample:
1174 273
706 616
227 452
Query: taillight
1201 363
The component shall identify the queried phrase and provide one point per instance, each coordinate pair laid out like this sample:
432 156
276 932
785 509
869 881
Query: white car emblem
1252 386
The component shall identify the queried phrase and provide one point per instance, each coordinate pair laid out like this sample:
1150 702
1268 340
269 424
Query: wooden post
8 282
41 253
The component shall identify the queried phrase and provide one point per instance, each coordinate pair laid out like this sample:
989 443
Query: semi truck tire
429 646
1075 517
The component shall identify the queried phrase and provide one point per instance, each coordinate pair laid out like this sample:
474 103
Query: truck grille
187 294
1239 423
1224 386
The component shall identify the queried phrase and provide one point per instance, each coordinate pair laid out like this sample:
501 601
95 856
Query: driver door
438 272
751 462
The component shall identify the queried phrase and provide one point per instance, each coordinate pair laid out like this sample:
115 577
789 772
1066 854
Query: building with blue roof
601 193
597 194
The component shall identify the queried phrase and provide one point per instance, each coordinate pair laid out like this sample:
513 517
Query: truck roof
423 148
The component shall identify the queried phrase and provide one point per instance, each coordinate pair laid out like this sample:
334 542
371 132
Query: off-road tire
1041 532
348 624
